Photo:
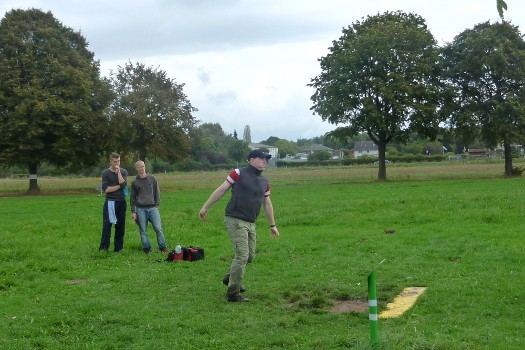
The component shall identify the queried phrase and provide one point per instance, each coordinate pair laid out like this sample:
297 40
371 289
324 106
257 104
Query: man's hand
202 214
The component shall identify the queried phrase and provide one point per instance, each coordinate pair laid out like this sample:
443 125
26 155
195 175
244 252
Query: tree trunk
33 181
507 151
381 175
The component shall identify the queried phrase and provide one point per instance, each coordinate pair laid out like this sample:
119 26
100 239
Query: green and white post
372 310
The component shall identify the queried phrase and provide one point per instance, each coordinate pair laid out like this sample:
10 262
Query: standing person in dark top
250 191
114 210
144 201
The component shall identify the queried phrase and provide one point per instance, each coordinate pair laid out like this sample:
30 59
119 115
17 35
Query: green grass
461 237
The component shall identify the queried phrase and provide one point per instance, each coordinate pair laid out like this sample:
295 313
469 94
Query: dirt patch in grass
348 306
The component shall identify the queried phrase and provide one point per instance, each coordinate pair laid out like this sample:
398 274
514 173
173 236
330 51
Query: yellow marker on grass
402 302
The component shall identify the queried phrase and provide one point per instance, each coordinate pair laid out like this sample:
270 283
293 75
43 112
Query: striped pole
372 310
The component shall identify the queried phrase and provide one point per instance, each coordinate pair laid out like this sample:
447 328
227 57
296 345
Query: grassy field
458 230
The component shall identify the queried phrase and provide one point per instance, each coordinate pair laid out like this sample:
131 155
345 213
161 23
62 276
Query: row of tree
387 77
56 108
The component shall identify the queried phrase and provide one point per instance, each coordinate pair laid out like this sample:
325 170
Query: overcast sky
246 62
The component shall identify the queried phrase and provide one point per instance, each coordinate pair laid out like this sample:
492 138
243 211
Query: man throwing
250 192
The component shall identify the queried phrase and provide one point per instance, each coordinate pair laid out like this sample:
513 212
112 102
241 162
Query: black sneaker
236 298
226 281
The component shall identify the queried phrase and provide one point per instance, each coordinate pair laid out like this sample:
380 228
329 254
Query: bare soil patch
76 281
349 306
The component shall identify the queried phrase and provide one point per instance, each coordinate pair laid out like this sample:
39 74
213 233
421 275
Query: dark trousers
120 226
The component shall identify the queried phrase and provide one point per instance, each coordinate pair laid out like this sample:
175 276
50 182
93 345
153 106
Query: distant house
301 156
336 154
477 152
365 148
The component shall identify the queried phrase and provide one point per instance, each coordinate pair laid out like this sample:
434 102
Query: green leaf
502 5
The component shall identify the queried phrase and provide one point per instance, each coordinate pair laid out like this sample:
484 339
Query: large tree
286 147
209 143
485 72
52 98
238 151
150 116
380 77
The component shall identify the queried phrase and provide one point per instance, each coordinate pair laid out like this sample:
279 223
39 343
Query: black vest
247 195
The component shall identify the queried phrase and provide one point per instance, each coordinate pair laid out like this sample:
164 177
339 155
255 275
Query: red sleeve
234 176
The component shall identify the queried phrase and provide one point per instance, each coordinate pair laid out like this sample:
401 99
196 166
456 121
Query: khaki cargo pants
244 239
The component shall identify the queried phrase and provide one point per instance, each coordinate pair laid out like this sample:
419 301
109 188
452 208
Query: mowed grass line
462 239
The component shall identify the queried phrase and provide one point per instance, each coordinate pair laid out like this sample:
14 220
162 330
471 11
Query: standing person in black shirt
250 192
114 210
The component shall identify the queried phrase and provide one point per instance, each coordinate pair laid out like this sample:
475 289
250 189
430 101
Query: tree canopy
485 74
52 98
209 143
380 77
150 116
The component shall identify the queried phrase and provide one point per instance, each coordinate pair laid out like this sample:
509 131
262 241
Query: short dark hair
114 155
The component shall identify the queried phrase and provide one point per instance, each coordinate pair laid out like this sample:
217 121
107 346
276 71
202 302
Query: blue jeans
152 215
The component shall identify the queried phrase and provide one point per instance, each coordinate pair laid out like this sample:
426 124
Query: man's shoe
226 281
146 250
236 298
165 250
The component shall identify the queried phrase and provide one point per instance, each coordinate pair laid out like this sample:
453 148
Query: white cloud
246 62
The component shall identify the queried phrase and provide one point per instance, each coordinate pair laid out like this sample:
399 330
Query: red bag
192 253
172 256
175 254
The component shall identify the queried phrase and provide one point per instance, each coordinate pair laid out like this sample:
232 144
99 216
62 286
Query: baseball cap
257 153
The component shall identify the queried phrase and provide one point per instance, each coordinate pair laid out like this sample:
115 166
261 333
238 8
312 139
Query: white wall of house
365 148
369 153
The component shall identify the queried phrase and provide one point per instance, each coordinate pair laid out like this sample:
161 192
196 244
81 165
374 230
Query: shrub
320 156
162 167
516 172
